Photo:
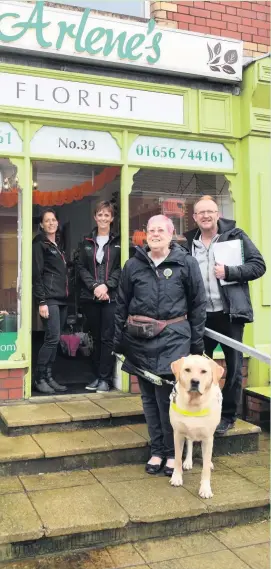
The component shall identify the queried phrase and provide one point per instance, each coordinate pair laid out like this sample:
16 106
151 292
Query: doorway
73 191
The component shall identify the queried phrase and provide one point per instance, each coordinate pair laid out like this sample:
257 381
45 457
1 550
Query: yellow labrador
195 412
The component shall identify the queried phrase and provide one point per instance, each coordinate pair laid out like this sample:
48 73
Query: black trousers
100 321
53 327
220 322
156 402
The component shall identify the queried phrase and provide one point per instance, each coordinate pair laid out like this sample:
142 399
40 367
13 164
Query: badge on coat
167 273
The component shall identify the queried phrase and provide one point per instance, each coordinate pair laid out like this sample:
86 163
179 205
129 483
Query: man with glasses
228 307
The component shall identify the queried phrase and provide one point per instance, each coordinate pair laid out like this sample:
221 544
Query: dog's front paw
212 466
205 490
176 479
188 464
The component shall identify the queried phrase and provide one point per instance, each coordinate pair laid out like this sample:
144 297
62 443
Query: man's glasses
206 212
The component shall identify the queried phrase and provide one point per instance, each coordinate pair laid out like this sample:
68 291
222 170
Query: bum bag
146 327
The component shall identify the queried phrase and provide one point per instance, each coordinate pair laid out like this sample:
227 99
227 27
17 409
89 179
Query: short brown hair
205 198
104 205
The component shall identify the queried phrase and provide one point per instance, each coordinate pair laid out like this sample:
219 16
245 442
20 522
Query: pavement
241 547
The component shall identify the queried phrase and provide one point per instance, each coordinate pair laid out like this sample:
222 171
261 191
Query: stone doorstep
96 447
58 412
120 504
61 444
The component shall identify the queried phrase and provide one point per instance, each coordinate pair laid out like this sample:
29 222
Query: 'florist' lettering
93 41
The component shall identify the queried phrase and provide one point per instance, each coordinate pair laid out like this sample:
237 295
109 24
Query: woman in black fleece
50 289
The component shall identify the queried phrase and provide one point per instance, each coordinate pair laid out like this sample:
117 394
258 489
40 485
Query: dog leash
152 377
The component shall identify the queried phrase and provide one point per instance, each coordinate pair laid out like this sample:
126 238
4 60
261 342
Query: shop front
145 129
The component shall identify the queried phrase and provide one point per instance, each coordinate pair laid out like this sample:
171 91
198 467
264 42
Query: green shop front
94 107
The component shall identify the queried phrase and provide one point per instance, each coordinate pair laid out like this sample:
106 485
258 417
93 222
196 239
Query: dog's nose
194 384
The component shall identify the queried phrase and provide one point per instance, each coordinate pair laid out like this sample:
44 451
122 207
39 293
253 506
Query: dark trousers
156 402
53 327
220 322
100 321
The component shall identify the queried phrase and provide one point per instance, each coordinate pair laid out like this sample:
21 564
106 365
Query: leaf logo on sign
216 62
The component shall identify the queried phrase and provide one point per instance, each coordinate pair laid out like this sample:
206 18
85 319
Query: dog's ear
217 372
177 366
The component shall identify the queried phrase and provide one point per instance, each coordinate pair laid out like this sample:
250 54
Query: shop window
139 8
10 258
173 194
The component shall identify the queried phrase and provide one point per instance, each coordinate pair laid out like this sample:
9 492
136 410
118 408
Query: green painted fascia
118 137
57 118
261 96
190 100
19 127
151 165
93 79
51 158
100 80
134 133
255 98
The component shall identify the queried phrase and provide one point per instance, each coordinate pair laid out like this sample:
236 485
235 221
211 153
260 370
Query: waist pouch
146 327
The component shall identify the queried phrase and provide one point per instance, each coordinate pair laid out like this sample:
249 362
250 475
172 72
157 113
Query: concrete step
70 413
100 447
101 507
240 547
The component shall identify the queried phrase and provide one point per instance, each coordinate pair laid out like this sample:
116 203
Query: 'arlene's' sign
54 32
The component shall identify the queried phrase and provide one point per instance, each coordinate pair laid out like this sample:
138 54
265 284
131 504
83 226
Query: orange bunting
139 237
76 193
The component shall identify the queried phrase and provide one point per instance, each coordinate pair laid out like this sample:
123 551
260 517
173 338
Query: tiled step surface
106 506
240 547
99 447
70 412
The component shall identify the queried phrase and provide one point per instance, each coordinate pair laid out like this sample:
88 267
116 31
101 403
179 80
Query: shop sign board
75 143
9 139
183 153
42 93
7 344
47 31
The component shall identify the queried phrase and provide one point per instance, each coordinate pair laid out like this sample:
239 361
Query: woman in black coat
162 281
99 269
50 290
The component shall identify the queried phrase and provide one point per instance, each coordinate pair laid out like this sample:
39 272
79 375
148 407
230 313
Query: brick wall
134 387
11 384
247 21
258 412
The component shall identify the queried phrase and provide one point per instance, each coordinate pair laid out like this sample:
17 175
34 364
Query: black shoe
103 386
40 382
154 468
224 426
52 383
168 471
92 386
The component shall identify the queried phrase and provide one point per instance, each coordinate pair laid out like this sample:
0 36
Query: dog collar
201 413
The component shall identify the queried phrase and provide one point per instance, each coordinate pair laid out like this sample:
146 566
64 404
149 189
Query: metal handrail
238 346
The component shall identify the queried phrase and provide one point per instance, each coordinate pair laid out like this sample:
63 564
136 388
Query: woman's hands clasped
101 292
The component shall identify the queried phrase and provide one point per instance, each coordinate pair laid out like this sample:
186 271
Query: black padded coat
172 289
